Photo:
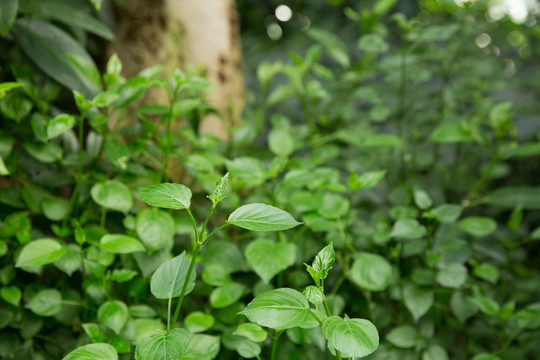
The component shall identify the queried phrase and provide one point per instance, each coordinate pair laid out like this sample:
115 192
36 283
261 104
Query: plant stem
194 224
274 345
103 218
80 149
169 305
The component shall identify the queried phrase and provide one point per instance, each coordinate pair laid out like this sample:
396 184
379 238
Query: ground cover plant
377 202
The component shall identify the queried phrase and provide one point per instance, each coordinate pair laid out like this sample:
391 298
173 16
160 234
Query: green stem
72 201
103 218
274 345
81 141
316 317
213 232
169 305
194 224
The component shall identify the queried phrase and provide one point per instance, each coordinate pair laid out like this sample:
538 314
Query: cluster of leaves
400 165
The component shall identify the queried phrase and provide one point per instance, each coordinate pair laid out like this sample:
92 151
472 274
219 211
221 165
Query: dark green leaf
8 13
509 197
417 300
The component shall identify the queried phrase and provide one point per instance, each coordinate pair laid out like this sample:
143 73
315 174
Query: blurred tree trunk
183 33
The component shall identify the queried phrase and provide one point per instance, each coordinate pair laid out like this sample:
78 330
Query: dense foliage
406 156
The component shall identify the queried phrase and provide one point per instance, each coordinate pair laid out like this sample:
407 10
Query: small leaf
417 300
113 314
280 142
155 228
120 244
95 332
486 305
353 338
117 153
422 199
219 192
435 352
112 194
46 302
367 180
487 272
40 252
314 295
404 337
509 197
251 331
408 229
447 213
282 308
261 217
478 225
268 258
371 272
452 276
55 208
122 275
93 352
163 345
198 321
59 125
46 153
201 347
168 196
168 280
226 295
11 294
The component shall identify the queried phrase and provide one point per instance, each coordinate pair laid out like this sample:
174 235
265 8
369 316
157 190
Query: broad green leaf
198 321
117 152
59 125
246 348
120 244
373 43
216 275
146 327
202 347
122 275
155 228
15 105
403 336
168 280
251 331
141 311
509 197
282 308
225 254
163 345
269 258
246 171
487 272
447 213
314 295
417 300
11 294
422 199
486 305
367 180
112 194
57 54
485 356
353 338
261 217
334 206
62 12
8 13
55 208
452 276
408 229
95 332
435 352
371 272
113 314
450 133
40 252
47 302
167 195
529 317
46 153
3 169
280 142
93 352
478 225
333 44
226 295
462 306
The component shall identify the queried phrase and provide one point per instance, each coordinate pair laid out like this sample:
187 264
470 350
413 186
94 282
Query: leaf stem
103 219
213 232
194 224
274 345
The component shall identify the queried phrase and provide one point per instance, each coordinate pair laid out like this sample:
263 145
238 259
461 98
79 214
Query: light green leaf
371 272
93 352
447 213
246 171
452 276
8 13
113 314
435 352
486 305
46 153
117 152
422 199
120 244
163 345
485 356
219 192
322 264
167 195
314 295
251 331
246 348
47 302
95 332
487 272
462 306
261 217
112 194
198 321
59 125
417 300
334 206
383 6
509 197
40 252
216 275
226 295
55 208
155 228
282 308
168 280
280 142
353 338
407 229
202 347
478 225
141 311
268 258
146 327
11 294
58 55
450 133
367 180
404 337
122 275
3 169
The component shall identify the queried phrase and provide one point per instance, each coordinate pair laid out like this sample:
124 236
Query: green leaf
219 192
40 252
452 276
93 352
246 171
281 142
117 153
462 306
216 275
168 280
112 194
113 314
59 125
168 196
333 44
417 300
122 275
163 345
62 12
120 244
485 356
373 43
11 294
251 331
145 328
486 305
450 133
47 302
314 295
447 213
282 308
95 332
226 295
353 338
8 13
198 321
435 352
383 6
408 229
322 264
404 337
155 228
202 347
334 206
46 153
15 105
367 180
246 348
55 208
261 217
141 311
371 272
3 169
509 197
268 258
488 272
58 55
422 199
478 225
